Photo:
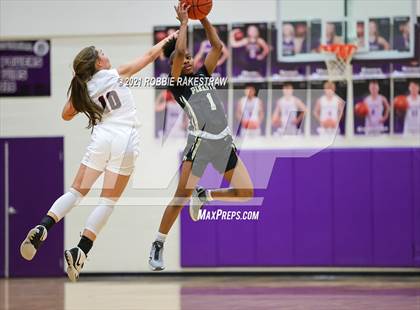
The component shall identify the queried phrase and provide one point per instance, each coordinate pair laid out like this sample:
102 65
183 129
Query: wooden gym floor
215 293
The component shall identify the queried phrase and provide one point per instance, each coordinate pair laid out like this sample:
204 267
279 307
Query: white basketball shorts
113 148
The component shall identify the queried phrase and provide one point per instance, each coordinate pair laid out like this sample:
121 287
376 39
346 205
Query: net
338 59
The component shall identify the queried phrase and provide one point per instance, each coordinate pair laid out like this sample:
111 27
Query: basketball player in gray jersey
209 137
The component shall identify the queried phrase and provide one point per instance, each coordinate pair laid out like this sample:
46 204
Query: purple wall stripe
341 207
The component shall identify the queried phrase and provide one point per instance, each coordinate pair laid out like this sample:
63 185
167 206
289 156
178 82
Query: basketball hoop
338 58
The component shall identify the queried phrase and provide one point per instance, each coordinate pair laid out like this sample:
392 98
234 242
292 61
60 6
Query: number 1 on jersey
212 104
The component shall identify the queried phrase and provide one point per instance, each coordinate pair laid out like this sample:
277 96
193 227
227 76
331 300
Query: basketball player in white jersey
378 110
329 110
250 113
175 123
412 115
97 91
288 113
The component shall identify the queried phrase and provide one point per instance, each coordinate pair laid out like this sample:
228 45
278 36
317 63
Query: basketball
329 123
250 124
276 121
168 96
401 103
361 109
239 35
160 36
199 8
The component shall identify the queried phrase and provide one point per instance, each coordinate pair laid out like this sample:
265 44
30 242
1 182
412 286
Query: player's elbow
218 46
67 116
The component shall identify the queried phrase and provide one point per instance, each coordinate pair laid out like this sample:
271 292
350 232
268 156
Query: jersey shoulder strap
202 72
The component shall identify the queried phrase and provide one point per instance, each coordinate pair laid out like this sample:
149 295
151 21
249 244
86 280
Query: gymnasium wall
122 40
136 16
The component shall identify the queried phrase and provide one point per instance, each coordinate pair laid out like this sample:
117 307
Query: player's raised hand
173 35
182 12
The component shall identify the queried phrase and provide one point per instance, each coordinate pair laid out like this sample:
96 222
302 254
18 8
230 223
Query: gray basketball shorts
220 153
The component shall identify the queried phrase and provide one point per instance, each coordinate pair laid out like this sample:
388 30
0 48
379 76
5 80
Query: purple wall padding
416 203
313 238
2 193
276 247
340 207
228 232
352 218
392 207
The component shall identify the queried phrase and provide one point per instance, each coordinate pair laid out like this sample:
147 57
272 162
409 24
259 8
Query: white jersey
289 111
250 113
412 116
376 111
250 109
114 144
107 91
329 108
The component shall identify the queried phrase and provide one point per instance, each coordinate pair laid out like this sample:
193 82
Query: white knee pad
65 203
100 215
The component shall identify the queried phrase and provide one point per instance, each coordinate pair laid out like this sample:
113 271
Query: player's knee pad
65 203
77 195
100 215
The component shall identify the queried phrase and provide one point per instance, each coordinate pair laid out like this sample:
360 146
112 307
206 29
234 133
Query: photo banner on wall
25 68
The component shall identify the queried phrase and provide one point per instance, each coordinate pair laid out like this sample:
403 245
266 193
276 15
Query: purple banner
25 68
202 47
162 65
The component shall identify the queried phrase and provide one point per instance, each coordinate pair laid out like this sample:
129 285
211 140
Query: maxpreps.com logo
223 215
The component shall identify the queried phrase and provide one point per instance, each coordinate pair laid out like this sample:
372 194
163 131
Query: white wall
26 18
124 243
113 16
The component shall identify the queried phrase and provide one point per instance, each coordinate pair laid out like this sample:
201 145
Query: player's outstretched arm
216 46
68 111
128 70
181 43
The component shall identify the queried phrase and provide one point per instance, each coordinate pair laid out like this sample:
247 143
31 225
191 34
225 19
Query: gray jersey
202 104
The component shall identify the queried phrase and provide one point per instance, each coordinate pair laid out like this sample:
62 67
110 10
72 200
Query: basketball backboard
380 29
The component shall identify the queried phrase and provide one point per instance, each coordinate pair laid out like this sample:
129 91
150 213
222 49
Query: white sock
100 215
161 237
65 203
